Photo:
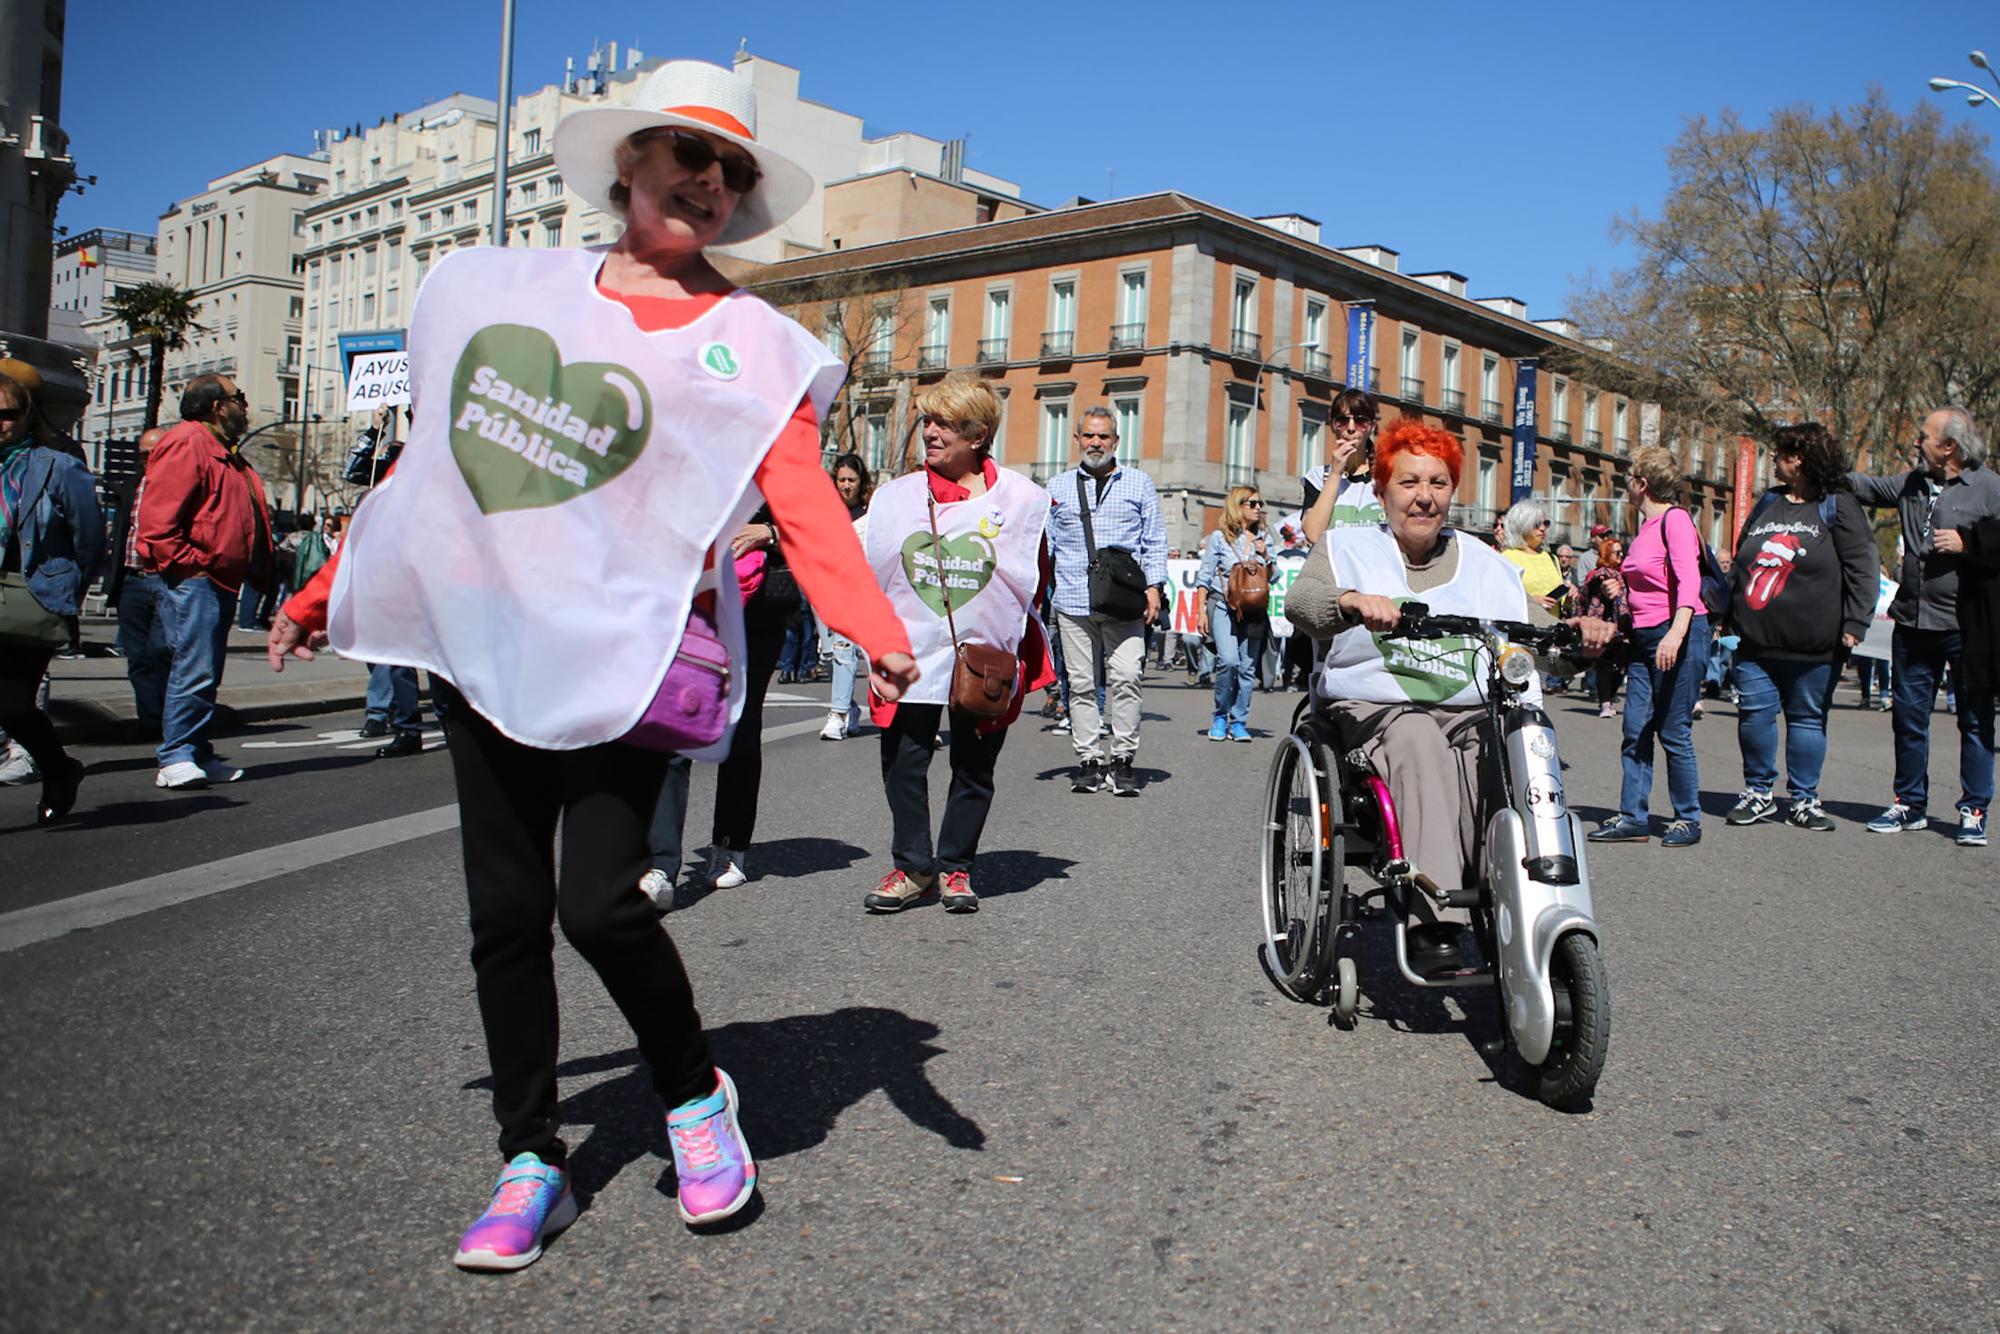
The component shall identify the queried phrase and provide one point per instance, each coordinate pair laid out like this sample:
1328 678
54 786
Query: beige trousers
1123 644
1438 763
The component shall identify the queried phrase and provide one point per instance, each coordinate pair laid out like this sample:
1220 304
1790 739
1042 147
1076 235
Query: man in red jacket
204 528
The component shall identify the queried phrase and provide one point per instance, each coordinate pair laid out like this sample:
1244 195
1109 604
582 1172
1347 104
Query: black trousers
906 764
741 776
21 672
510 799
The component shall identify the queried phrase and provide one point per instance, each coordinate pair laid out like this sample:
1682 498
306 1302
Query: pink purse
690 711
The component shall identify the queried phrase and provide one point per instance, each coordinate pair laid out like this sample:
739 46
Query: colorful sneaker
1808 815
899 891
1899 819
531 1204
1238 732
957 894
1607 710
1971 827
1218 730
1752 807
714 1172
1681 834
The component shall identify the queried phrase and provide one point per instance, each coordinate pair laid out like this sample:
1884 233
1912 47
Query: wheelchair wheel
1346 990
1568 1077
1301 844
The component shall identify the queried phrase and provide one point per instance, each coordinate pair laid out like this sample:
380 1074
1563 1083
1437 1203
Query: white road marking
45 921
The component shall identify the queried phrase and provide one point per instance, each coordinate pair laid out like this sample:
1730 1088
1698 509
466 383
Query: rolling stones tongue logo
1773 566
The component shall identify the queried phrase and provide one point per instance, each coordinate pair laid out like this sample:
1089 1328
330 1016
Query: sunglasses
1349 419
238 397
696 154
12 414
1253 504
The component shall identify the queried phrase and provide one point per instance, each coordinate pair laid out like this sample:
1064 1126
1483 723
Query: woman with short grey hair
1524 537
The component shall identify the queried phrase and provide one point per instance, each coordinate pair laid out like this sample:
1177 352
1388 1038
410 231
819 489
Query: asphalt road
1084 1107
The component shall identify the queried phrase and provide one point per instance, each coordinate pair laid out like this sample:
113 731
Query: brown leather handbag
1249 589
982 677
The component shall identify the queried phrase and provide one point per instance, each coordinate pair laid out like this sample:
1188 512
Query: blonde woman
1239 636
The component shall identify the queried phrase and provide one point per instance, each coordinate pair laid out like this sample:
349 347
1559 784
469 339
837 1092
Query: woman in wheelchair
1416 710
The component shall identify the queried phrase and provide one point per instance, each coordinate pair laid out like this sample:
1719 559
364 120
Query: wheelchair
1332 861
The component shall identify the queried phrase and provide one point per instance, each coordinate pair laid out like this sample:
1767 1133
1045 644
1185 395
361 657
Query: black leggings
21 672
510 799
740 777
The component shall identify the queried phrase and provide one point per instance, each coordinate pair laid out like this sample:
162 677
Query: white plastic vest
1355 505
567 476
1363 665
992 548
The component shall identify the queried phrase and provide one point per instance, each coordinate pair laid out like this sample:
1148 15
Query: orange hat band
721 120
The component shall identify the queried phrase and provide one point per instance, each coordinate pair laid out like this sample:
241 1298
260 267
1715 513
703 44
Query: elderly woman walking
592 427
1524 544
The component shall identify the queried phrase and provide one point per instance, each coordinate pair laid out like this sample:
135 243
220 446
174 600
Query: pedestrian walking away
205 530
1235 565
1669 650
565 686
1949 492
1108 542
1805 587
142 633
51 544
960 548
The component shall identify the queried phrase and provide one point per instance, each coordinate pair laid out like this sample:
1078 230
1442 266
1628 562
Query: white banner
1184 610
1875 644
378 380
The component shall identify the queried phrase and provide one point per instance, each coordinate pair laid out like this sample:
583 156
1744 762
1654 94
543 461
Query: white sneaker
18 767
835 729
726 868
182 776
658 886
221 771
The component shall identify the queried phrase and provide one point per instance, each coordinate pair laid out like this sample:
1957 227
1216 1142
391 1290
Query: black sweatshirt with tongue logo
1802 583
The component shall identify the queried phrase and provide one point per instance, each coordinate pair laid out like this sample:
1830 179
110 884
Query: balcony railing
1489 409
1374 380
1561 432
1244 343
1413 390
1623 444
1240 474
876 361
1594 439
1126 337
1059 343
1318 364
991 350
1452 400
931 357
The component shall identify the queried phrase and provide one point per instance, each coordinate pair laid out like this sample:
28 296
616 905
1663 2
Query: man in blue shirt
1124 513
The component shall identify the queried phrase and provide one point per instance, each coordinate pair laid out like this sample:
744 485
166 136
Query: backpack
307 559
1716 591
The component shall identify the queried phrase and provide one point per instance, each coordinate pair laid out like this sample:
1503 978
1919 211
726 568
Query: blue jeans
1873 674
196 614
847 665
392 697
1235 662
1919 658
800 656
1805 691
1661 704
142 638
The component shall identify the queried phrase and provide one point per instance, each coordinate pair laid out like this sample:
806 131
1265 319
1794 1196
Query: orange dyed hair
1411 436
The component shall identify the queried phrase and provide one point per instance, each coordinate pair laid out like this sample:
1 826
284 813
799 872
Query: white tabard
992 547
1363 665
567 475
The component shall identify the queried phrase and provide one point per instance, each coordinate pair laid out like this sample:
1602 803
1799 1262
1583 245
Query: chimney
1505 305
1444 280
1379 255
1561 326
569 74
1294 224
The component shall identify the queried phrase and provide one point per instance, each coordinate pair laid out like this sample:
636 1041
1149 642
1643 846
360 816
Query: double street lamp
1974 93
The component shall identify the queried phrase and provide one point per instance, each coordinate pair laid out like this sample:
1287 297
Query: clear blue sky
1495 140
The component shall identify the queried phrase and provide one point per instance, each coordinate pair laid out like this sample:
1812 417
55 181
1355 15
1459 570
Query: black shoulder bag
1117 584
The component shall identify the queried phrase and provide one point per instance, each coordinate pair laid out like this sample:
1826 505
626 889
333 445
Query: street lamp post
1974 93
1270 363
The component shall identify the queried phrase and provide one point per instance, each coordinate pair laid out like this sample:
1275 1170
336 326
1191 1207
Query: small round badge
719 360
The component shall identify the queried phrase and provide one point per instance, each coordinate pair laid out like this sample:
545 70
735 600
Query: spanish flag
88 259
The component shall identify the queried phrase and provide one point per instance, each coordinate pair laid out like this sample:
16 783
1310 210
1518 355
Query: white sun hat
691 95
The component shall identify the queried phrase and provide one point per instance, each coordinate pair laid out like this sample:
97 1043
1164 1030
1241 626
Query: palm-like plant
163 315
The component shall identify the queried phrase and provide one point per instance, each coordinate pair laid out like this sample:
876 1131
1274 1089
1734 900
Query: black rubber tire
1568 1077
1295 909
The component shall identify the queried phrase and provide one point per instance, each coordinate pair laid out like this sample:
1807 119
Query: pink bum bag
690 711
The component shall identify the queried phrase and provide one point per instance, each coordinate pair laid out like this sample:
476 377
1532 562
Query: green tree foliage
162 315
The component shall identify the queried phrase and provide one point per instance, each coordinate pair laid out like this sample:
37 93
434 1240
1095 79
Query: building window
1125 411
368 308
1593 435
876 435
1238 460
999 325
1490 406
1130 329
423 223
1312 445
423 266
1412 370
1620 425
368 262
1487 494
1055 442
528 189
472 210
1243 340
531 142
294 308
448 167
881 339
834 331
374 215
1318 360
1449 397
1059 337
1559 408
392 302
552 234
446 216
937 334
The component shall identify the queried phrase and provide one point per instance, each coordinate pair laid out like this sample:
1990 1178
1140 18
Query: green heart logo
1429 671
529 432
968 567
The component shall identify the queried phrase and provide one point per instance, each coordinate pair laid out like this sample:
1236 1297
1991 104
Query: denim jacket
1218 557
59 531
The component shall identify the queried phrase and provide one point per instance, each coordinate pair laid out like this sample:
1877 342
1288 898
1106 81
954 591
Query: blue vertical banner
1524 428
1360 342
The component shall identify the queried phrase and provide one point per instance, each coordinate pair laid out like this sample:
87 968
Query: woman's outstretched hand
893 675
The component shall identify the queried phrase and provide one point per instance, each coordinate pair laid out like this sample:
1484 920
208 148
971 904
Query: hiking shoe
221 771
1681 834
181 776
957 894
835 729
1218 730
1971 827
17 767
1899 819
531 1204
713 1171
1752 807
728 868
1620 829
899 891
658 886
1808 815
1238 732
1119 780
1089 777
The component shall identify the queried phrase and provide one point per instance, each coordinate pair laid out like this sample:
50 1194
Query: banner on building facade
1360 343
378 380
1524 429
1743 483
